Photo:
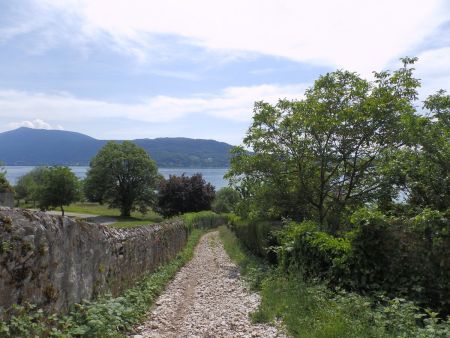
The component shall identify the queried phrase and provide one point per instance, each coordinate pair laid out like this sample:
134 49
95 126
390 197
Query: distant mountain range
26 146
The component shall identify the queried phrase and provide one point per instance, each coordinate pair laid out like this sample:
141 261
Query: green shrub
316 254
204 219
256 235
225 200
403 256
310 309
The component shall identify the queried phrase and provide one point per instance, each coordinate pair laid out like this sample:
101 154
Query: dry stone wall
55 261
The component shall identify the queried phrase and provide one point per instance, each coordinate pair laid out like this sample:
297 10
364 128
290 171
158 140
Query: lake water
213 176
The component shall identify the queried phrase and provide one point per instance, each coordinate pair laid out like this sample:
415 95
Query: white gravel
206 299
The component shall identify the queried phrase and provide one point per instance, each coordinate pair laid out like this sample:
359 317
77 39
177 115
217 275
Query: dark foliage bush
181 194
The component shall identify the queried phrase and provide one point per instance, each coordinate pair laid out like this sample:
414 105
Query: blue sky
144 69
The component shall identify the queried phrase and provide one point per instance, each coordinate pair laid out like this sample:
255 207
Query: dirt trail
206 299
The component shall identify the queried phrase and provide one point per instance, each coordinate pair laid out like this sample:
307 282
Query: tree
225 200
4 184
59 188
27 187
124 176
422 169
325 150
180 194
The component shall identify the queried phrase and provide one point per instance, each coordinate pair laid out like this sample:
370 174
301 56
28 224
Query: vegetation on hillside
38 147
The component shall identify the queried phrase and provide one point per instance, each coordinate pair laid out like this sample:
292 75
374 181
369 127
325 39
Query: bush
310 309
181 194
203 220
400 256
316 254
225 200
257 236
403 256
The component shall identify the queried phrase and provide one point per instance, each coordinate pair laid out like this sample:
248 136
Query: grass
136 219
106 316
309 309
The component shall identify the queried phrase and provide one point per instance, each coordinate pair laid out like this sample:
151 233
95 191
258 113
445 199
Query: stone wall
55 261
7 199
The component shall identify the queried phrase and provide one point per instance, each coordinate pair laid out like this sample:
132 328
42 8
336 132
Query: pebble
207 298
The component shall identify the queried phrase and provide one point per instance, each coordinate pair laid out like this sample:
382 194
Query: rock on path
206 299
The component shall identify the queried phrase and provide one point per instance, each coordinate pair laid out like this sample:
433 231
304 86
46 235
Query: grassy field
136 218
96 209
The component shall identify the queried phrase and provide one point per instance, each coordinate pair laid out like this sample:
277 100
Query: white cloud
35 124
352 34
232 103
433 68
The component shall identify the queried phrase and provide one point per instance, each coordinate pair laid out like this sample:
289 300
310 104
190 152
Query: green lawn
136 218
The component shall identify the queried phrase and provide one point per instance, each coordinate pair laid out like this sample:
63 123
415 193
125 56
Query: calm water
213 176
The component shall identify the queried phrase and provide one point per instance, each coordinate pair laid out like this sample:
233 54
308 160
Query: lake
213 176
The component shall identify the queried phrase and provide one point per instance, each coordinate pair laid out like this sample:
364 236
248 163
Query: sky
115 69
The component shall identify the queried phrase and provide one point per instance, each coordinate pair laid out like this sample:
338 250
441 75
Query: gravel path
206 299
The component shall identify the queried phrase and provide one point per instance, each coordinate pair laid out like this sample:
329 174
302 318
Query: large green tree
317 157
422 169
124 176
59 188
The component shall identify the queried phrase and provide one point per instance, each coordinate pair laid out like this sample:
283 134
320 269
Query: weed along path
206 299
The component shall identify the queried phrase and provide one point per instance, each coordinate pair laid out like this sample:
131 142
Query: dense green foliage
349 142
225 200
400 256
28 185
59 188
204 220
350 186
4 184
38 147
181 194
123 176
48 187
313 310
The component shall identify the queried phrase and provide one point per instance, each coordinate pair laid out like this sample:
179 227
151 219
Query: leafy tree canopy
225 200
180 194
318 157
4 184
59 188
124 176
27 187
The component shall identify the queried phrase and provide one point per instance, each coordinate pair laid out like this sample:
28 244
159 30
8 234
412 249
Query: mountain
26 146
